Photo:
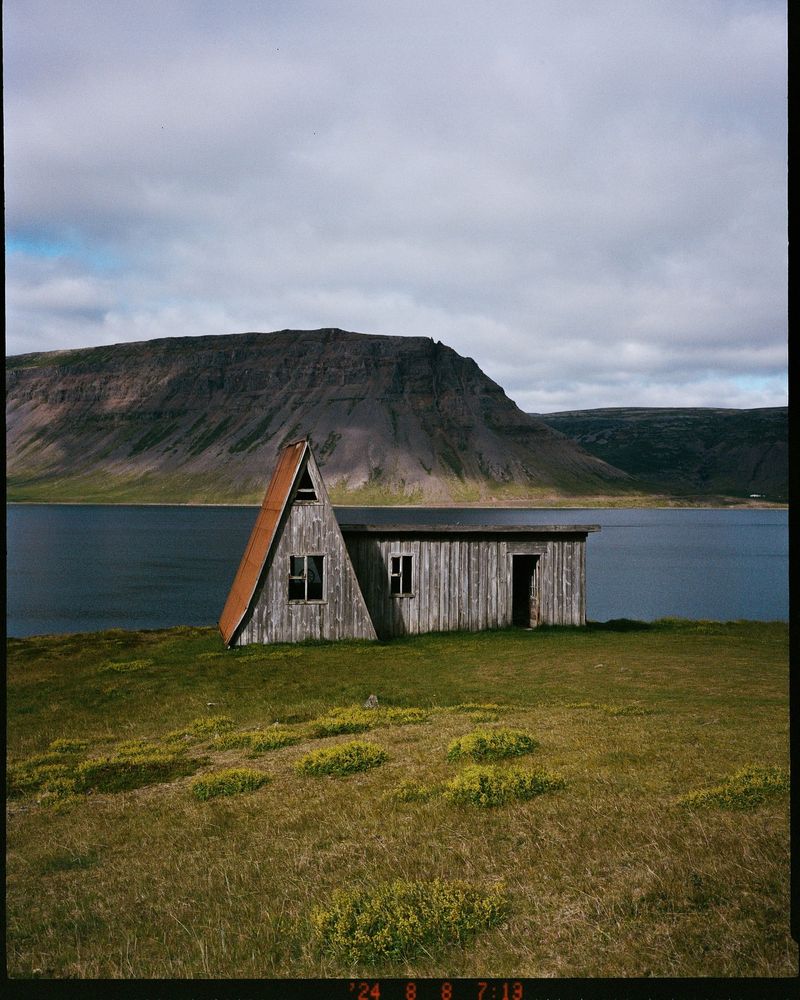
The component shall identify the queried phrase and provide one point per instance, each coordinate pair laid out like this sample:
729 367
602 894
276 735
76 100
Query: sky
588 197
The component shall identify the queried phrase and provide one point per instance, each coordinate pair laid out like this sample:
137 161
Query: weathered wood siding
465 582
308 529
462 577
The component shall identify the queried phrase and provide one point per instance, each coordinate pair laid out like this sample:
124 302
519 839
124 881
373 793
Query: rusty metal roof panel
261 538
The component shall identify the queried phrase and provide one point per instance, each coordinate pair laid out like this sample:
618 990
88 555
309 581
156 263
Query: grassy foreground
598 869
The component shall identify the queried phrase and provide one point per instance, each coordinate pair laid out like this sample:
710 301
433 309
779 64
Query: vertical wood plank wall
310 529
458 583
465 583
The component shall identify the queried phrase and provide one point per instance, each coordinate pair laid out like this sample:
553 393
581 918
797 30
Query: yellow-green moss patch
63 745
399 920
746 789
359 720
121 773
347 758
489 786
126 667
256 741
491 744
231 781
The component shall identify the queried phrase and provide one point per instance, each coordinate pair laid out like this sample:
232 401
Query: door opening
524 592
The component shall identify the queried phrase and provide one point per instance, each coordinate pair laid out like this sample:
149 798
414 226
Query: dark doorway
524 596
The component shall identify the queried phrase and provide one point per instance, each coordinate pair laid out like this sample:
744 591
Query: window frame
302 491
403 574
303 577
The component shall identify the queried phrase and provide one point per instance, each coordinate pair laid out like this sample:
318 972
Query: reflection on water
83 568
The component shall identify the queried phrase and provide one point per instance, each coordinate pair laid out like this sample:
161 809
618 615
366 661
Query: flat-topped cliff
200 419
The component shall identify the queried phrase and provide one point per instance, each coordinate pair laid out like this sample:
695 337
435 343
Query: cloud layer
588 199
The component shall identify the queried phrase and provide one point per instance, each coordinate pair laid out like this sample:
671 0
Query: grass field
129 855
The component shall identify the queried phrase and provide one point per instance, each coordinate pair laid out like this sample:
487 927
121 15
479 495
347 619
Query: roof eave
250 569
469 529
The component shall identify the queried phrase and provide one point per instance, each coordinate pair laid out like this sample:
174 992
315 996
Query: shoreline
475 505
596 624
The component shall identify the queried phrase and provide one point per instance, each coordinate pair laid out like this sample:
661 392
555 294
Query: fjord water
84 568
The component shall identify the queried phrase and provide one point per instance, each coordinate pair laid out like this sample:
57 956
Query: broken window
305 490
400 575
306 575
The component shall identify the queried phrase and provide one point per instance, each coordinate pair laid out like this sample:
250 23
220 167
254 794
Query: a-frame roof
261 538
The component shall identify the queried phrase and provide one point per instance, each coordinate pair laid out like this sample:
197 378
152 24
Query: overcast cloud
588 197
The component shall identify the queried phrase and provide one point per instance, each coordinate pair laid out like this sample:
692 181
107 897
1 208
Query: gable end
296 536
261 538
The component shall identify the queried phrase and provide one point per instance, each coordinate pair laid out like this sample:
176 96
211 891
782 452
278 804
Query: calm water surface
84 568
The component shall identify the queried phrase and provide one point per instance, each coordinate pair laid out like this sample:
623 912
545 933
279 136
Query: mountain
693 453
201 419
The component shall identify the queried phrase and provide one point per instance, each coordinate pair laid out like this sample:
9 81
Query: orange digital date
366 991
500 991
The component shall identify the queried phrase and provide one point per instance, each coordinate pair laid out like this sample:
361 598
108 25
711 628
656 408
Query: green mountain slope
688 452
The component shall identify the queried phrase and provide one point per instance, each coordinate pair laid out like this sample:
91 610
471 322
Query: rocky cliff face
201 419
689 452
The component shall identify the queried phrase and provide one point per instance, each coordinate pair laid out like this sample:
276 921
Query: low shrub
491 744
399 920
68 746
177 738
359 720
131 764
340 720
490 786
198 729
128 667
135 748
59 788
232 741
400 716
257 741
615 710
121 773
232 781
475 706
347 758
745 789
42 760
273 740
28 776
210 724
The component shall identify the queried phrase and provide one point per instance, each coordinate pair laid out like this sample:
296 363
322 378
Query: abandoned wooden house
305 576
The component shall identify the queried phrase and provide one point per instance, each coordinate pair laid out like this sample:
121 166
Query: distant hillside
689 452
200 419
